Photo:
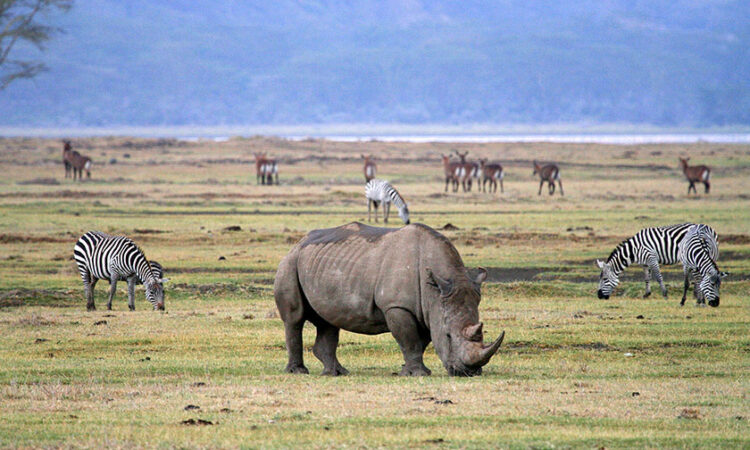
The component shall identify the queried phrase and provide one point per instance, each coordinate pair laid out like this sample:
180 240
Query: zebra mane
149 271
704 247
618 249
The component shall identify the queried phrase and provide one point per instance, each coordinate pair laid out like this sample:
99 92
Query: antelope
548 173
468 171
492 173
265 169
370 167
696 174
451 169
67 156
79 163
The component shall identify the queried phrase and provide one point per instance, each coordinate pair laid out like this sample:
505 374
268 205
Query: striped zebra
649 248
101 256
380 191
698 253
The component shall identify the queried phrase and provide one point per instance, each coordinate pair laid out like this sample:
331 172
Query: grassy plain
575 371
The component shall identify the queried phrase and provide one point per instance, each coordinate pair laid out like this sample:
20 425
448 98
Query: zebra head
404 214
155 292
608 280
709 287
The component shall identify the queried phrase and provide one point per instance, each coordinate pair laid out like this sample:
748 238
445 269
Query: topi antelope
549 173
696 174
370 168
79 163
491 173
67 157
265 169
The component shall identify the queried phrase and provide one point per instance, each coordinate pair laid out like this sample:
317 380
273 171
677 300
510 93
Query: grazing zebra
649 248
698 253
452 171
101 256
370 168
79 163
381 191
696 174
67 157
549 173
491 173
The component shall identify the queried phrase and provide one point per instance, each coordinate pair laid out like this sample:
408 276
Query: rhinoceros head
454 323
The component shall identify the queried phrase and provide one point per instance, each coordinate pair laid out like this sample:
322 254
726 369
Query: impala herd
458 172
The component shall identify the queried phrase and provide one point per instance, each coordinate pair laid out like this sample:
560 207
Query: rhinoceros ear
444 286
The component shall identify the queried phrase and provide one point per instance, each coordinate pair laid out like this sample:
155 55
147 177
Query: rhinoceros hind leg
325 349
403 326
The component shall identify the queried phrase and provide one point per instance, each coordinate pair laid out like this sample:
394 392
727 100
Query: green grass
574 371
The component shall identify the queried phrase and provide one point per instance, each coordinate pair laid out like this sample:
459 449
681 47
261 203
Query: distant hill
201 62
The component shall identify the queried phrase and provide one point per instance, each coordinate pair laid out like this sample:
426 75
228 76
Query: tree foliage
19 22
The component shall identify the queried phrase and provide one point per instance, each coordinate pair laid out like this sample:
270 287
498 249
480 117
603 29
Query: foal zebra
381 191
101 256
549 173
649 248
698 254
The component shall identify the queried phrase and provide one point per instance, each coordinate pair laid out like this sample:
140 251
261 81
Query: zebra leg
559 181
386 211
375 205
686 286
89 284
112 290
324 349
647 278
369 207
131 293
657 274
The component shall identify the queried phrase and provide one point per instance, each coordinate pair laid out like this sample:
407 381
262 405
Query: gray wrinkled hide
409 281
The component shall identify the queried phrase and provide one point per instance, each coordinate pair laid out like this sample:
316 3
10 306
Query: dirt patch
148 231
37 297
738 239
41 181
15 238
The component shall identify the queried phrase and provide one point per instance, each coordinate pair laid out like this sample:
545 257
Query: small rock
38 340
113 161
232 228
197 422
628 355
449 227
198 384
248 316
639 317
100 322
222 258
636 394
192 407
225 410
148 358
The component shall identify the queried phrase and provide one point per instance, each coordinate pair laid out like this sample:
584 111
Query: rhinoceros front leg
405 330
325 350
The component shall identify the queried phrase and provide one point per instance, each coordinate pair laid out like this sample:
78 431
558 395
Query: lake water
623 139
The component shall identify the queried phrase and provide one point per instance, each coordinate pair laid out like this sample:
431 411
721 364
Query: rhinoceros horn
474 332
478 355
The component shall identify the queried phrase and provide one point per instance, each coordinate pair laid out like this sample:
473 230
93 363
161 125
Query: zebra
649 248
114 258
548 173
698 253
380 191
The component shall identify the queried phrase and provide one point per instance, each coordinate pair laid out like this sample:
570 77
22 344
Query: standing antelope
381 192
548 173
468 171
452 170
370 168
265 169
493 173
696 174
67 157
79 163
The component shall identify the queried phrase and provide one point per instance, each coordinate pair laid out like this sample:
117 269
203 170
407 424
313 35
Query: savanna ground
574 371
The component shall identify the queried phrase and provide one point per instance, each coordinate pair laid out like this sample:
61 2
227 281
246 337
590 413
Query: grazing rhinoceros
409 281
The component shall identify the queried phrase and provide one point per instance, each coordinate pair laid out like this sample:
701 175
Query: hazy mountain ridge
398 61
